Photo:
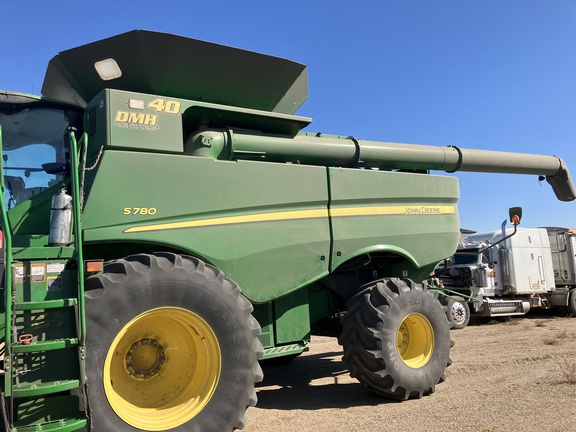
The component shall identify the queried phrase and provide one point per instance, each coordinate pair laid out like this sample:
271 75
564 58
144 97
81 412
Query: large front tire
396 339
171 345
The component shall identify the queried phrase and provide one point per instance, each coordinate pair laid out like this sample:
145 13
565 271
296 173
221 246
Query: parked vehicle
510 272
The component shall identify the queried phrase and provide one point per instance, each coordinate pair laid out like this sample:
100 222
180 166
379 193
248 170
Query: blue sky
486 74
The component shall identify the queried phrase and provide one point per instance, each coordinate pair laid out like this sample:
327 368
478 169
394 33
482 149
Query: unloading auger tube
350 152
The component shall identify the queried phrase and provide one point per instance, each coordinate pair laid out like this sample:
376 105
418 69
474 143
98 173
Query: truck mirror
515 215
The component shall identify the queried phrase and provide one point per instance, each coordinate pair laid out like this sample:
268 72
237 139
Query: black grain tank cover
175 66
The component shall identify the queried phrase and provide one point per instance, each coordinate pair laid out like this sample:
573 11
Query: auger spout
349 152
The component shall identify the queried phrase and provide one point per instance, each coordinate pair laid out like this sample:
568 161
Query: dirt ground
516 374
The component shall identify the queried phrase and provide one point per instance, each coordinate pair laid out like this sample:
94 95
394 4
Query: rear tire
396 339
171 345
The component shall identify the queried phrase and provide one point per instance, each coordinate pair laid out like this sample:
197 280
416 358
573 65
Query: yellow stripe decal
261 217
301 214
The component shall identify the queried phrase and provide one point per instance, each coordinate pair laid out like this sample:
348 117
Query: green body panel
413 215
264 314
231 209
120 127
126 120
292 316
285 323
256 220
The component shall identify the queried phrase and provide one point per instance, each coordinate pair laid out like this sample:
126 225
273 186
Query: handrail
7 239
75 186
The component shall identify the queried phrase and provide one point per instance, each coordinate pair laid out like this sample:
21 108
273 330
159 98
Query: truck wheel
171 345
571 308
457 312
396 339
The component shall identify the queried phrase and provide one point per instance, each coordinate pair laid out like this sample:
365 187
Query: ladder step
56 413
285 350
46 304
62 425
44 346
32 390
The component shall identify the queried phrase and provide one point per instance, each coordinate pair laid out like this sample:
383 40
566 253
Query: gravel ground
507 375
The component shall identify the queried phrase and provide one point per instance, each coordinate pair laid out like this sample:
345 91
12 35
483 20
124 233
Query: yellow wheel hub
162 369
415 340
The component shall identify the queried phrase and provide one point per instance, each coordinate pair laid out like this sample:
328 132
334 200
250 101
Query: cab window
35 143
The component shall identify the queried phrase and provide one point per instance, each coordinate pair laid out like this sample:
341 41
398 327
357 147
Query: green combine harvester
167 224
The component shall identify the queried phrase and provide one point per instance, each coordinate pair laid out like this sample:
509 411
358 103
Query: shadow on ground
297 385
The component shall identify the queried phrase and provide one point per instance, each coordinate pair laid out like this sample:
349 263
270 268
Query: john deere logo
135 120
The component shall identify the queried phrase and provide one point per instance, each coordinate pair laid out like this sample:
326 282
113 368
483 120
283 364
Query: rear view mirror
515 215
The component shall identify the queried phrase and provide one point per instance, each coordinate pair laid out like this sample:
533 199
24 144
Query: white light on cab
108 69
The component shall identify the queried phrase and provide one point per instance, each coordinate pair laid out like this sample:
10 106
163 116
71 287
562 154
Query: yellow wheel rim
415 340
162 369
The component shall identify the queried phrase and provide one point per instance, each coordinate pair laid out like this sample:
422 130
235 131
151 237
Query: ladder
44 381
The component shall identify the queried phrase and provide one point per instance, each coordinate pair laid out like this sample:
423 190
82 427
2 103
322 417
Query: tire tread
100 288
364 339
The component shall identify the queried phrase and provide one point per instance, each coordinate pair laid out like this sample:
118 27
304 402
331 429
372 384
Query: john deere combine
166 224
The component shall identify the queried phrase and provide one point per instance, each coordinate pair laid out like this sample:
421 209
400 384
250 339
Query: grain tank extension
209 231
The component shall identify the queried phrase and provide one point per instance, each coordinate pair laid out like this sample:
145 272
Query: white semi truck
509 272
